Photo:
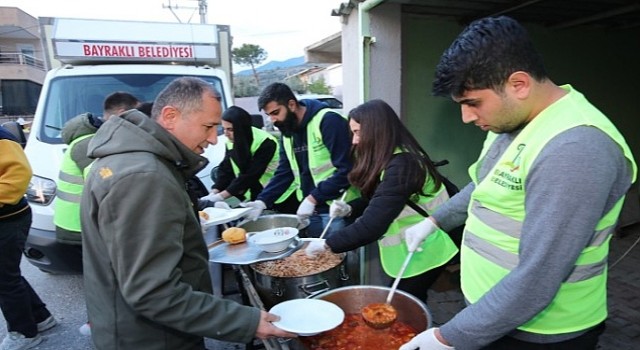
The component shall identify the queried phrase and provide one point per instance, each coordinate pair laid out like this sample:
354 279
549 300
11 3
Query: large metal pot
273 290
352 299
266 222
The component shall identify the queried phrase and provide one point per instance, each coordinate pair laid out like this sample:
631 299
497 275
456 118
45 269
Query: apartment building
22 68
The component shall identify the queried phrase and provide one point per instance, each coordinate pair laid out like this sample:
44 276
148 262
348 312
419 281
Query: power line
202 10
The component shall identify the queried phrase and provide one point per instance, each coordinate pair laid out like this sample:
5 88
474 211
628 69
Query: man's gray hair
185 94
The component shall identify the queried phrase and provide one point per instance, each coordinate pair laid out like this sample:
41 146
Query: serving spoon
382 315
326 228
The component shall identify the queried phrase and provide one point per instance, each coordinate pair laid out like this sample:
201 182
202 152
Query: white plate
219 216
307 317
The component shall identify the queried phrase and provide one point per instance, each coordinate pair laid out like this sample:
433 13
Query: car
333 102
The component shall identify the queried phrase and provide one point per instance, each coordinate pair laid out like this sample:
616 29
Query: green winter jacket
146 274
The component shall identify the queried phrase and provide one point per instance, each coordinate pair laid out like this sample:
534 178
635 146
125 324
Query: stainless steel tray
247 253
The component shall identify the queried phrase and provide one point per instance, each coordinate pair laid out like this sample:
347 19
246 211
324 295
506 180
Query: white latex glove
222 205
257 208
305 210
315 247
425 341
416 234
339 209
212 197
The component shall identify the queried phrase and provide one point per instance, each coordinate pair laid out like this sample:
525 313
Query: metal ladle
382 315
326 228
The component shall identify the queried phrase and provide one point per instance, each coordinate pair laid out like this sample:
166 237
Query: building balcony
19 66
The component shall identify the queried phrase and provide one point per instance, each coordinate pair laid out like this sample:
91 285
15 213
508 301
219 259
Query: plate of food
216 216
307 317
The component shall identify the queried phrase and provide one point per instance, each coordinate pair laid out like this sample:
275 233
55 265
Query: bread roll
234 235
204 215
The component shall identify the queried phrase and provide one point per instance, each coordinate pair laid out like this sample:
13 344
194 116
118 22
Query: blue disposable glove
425 341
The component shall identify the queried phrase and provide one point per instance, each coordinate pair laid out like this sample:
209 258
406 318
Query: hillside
271 65
273 71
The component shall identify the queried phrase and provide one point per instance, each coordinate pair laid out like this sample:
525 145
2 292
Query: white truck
96 58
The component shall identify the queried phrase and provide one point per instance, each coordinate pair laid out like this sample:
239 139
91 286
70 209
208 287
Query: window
70 96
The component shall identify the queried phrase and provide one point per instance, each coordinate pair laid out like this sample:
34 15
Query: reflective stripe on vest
259 136
437 249
70 184
496 213
319 156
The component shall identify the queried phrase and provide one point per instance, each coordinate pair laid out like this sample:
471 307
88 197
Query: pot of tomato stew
413 318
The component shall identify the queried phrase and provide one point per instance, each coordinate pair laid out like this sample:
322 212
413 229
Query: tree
249 55
244 86
296 84
319 86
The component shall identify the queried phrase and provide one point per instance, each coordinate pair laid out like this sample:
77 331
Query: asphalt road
64 296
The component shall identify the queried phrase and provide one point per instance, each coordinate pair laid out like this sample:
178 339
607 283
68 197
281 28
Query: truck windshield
70 96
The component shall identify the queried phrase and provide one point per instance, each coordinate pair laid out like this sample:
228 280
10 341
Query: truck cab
140 58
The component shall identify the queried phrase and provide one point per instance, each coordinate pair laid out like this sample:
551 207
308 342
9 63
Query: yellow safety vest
259 136
320 164
437 249
496 213
70 184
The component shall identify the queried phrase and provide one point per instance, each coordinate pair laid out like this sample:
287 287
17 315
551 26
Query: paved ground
623 324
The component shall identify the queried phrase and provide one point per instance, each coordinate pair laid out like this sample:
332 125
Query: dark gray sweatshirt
579 175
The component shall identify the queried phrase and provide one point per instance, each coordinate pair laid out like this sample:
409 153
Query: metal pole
202 9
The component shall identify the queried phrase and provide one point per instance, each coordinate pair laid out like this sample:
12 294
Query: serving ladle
383 315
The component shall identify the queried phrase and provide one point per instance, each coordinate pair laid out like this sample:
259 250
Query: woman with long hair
249 163
399 185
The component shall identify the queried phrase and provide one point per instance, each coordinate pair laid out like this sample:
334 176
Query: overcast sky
282 27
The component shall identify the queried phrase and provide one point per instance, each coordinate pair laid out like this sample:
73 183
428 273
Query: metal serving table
248 293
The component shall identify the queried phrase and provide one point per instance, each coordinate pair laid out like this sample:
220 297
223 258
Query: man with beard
314 156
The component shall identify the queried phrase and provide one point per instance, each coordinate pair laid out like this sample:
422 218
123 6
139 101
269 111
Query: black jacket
375 215
248 180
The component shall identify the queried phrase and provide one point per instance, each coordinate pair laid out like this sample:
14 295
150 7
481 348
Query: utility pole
202 10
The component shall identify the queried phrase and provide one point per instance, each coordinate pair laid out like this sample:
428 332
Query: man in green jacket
146 264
